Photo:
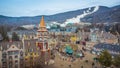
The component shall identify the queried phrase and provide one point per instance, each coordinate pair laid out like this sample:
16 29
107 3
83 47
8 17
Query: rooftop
105 46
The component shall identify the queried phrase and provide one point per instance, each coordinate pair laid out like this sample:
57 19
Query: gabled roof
5 44
13 48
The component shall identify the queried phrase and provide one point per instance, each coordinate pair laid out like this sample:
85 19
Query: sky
17 8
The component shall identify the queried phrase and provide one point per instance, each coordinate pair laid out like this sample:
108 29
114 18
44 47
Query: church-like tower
43 42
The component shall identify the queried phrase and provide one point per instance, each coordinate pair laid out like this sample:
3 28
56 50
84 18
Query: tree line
106 60
4 30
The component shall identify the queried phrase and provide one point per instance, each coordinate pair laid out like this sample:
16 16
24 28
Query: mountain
96 14
109 15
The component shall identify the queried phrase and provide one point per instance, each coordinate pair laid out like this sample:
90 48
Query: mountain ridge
62 17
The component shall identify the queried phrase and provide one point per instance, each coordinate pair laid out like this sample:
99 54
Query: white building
12 57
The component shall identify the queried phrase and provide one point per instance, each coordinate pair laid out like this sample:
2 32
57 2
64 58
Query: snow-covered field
31 26
71 20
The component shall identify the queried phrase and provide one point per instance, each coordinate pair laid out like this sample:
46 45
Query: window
16 52
10 63
3 60
10 66
45 33
4 63
10 53
16 61
21 60
35 53
3 56
16 56
31 53
21 53
16 66
10 57
21 65
45 39
40 34
31 58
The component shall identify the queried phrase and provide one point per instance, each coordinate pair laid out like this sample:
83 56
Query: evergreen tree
105 59
3 31
15 37
116 61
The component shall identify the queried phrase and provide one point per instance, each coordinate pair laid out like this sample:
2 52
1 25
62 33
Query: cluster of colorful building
35 46
26 53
